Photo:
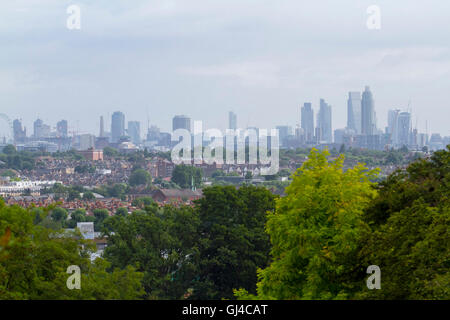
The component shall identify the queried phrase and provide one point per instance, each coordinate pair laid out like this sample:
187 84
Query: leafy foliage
410 238
184 175
140 177
159 243
315 231
233 243
34 261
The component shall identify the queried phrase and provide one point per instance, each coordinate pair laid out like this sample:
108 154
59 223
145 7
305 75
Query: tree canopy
184 175
34 261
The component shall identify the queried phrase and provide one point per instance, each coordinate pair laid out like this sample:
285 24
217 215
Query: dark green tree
100 215
161 243
184 175
233 243
88 195
122 211
34 261
140 177
409 238
59 214
9 149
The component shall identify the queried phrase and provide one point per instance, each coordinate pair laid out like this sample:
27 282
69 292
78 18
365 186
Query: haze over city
203 59
260 59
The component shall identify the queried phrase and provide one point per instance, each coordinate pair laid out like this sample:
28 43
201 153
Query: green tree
59 214
34 261
83 169
409 237
161 243
100 215
122 211
140 177
110 152
73 194
59 190
9 149
233 242
88 195
79 215
184 175
118 190
143 201
315 231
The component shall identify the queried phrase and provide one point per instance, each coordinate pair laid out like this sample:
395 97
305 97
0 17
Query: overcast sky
261 59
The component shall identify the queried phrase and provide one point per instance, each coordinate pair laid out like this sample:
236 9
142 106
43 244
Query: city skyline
311 119
352 96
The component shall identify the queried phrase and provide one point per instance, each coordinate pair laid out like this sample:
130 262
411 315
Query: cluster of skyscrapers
361 131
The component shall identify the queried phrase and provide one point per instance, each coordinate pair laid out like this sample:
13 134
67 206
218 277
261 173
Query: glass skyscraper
324 122
117 126
181 122
354 111
232 120
368 126
134 131
308 121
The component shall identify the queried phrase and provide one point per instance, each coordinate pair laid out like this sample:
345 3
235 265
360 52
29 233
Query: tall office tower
62 129
41 130
404 129
117 126
392 127
181 122
324 122
102 127
134 131
19 133
153 133
308 121
354 111
232 120
368 126
283 133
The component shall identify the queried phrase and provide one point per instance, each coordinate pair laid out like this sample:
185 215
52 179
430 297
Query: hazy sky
261 59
